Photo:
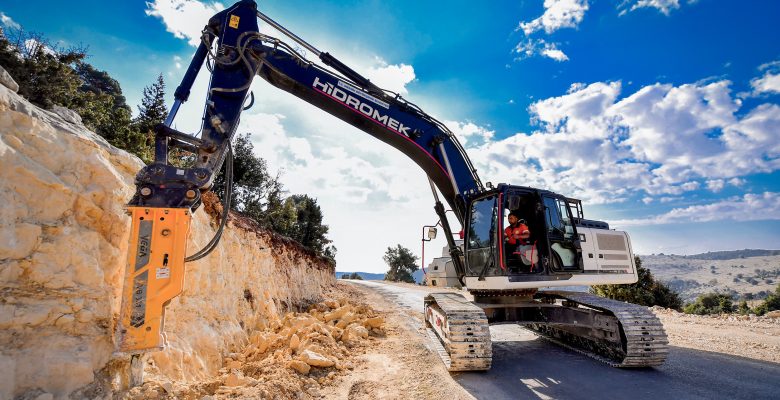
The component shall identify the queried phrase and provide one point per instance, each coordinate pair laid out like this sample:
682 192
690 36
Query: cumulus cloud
6 21
184 18
555 54
770 81
750 207
391 77
533 47
664 6
557 14
660 141
716 185
470 134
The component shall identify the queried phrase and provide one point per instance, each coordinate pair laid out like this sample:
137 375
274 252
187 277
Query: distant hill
365 275
369 276
743 274
733 254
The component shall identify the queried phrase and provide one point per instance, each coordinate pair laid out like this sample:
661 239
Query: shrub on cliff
49 76
306 225
647 291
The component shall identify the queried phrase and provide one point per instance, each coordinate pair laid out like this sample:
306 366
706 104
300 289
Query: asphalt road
527 367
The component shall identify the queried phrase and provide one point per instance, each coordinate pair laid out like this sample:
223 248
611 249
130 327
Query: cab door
481 235
565 253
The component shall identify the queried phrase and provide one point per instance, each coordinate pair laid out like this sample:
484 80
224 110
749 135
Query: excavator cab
552 252
563 248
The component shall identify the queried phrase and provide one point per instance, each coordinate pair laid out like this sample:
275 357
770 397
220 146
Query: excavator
509 283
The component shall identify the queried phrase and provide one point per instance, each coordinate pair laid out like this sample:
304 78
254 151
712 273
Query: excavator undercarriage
617 333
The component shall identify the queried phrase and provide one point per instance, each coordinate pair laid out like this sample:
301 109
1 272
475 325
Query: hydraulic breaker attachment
154 275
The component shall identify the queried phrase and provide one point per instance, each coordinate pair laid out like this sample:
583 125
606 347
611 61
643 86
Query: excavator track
461 328
643 341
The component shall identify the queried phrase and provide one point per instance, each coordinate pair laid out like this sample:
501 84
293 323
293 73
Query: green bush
402 264
646 291
771 303
711 303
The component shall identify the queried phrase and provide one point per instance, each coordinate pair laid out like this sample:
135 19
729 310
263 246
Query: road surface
527 367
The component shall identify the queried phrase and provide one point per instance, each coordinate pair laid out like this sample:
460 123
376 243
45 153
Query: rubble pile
291 357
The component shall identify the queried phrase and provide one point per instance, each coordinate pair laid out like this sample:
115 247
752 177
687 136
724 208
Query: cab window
482 229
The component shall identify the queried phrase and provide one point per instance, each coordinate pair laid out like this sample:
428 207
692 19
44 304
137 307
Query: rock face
63 243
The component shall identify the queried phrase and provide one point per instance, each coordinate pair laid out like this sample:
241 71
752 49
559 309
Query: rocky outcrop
63 243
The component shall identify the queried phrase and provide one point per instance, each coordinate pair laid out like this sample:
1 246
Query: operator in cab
517 232
519 249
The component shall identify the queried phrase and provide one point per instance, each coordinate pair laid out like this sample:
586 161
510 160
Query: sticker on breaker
234 21
163 273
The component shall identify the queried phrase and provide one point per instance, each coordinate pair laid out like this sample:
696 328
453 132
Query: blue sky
662 115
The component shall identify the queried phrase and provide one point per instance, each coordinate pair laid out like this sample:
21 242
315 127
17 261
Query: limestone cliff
63 242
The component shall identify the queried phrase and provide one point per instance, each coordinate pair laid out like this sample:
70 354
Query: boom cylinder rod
172 113
289 34
455 252
449 168
326 58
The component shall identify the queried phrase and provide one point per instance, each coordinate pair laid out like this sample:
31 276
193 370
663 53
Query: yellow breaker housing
154 275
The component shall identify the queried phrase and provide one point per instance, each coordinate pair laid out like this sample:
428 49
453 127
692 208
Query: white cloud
8 22
750 207
770 81
737 181
532 47
661 141
391 77
184 18
555 54
470 134
557 14
664 6
716 185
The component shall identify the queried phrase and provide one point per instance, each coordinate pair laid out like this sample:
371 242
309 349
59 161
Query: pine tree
152 110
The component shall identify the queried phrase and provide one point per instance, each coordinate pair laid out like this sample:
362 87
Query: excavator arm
166 195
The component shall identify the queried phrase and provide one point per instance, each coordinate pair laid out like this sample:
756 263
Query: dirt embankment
63 244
